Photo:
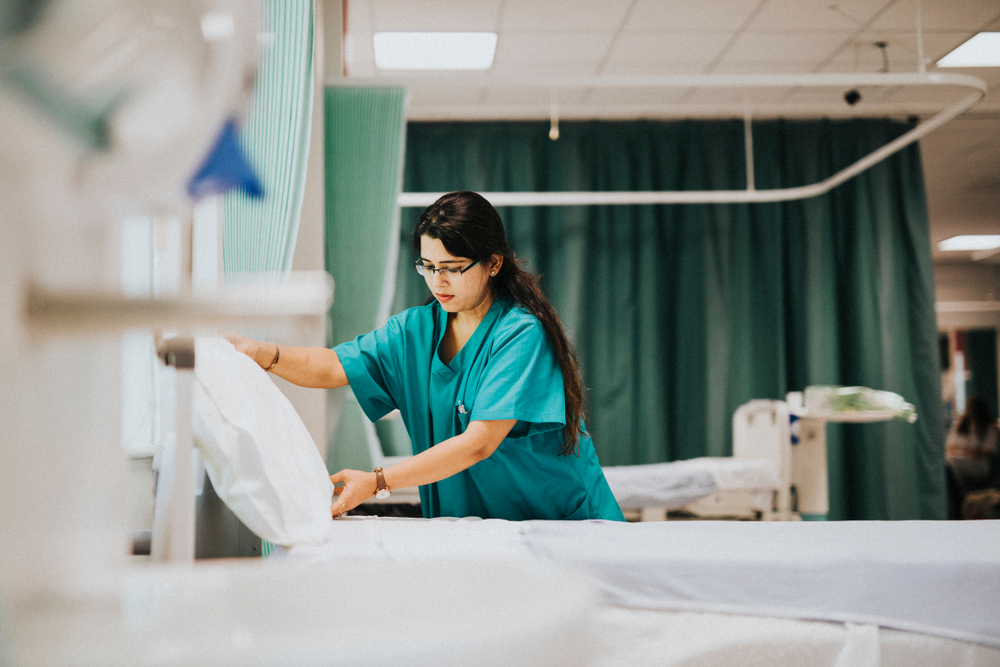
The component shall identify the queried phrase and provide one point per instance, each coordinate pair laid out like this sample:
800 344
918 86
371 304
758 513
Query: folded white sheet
261 459
677 483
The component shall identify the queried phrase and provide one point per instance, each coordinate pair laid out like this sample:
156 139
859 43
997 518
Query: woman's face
456 291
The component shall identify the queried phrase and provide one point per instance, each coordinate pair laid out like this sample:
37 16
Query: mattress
941 579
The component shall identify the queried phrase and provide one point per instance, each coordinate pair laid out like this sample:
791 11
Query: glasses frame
420 267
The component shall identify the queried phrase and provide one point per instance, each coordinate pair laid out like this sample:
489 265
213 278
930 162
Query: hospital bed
778 470
665 593
695 592
753 484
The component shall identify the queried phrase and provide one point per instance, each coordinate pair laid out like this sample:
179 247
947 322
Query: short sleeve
522 380
371 362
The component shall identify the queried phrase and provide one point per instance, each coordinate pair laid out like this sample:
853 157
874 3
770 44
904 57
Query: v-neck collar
456 362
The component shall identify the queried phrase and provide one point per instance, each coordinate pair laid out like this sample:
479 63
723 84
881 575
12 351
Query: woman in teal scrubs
483 376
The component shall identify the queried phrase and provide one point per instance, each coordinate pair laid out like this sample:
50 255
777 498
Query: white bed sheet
675 484
937 578
630 637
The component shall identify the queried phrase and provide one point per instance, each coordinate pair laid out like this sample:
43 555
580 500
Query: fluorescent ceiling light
435 50
983 50
980 242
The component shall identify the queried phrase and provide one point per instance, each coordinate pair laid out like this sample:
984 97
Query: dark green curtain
682 313
981 361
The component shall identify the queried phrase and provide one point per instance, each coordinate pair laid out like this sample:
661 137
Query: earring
493 273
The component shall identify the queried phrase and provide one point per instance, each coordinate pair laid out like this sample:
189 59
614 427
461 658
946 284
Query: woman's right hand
261 353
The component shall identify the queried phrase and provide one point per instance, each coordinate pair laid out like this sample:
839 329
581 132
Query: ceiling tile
668 47
430 94
549 17
617 97
509 69
971 15
700 15
762 67
861 55
808 48
539 97
435 15
540 49
359 15
655 67
798 16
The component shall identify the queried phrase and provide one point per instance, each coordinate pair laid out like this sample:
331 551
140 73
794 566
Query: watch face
382 493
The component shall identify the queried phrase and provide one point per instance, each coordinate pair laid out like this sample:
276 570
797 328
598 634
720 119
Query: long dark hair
468 226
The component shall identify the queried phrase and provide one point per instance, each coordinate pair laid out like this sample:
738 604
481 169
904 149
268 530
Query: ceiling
561 39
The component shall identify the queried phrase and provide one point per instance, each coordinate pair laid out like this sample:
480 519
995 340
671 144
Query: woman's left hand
357 487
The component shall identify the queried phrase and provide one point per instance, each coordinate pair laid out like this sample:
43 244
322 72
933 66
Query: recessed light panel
971 242
435 50
983 50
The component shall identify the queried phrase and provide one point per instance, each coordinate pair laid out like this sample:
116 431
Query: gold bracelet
277 354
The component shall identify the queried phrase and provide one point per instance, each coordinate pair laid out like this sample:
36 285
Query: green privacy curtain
682 313
259 234
981 362
365 130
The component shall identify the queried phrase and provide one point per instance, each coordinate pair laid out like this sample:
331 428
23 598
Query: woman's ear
496 261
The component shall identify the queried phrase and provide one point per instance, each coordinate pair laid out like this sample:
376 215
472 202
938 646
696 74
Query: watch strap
380 485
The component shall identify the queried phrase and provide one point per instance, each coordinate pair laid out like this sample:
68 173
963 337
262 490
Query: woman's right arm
316 367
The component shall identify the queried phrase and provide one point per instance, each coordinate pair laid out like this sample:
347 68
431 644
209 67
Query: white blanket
675 484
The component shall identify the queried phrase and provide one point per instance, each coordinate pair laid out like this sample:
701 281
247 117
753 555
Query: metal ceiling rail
741 82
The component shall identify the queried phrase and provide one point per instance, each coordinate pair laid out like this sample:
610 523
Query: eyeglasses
446 271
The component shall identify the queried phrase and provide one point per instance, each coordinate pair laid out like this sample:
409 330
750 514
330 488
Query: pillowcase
261 459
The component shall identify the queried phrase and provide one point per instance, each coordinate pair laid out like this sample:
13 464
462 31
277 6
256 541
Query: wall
967 284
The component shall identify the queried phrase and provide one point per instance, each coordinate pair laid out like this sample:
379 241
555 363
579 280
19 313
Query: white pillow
261 459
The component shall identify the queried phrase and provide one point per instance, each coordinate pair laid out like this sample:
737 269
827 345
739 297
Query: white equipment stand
809 473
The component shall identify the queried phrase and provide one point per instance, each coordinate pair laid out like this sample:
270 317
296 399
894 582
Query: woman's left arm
441 461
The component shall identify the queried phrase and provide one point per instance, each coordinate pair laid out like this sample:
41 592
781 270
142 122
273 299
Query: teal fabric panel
259 234
681 313
365 134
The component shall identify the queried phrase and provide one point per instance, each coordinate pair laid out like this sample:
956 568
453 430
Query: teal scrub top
505 371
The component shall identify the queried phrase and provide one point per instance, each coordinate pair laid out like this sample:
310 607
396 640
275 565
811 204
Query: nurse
486 382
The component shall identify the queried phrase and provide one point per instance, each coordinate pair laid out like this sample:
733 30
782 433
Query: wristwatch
381 490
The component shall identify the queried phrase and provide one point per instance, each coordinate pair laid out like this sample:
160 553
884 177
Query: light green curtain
682 313
259 234
365 133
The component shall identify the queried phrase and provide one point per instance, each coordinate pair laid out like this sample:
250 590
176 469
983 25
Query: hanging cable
554 117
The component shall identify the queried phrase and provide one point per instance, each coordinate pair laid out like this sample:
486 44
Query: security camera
852 97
